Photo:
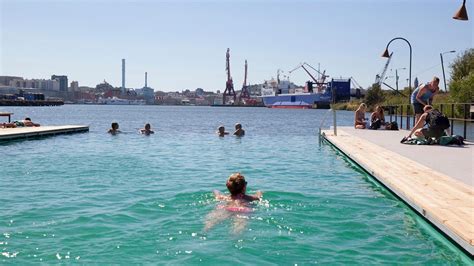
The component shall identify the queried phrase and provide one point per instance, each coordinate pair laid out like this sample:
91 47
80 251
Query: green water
93 198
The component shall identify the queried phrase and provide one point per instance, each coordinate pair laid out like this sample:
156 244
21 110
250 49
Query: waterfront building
63 83
42 84
5 80
74 86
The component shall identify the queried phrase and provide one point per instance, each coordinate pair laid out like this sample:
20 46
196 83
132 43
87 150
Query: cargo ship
284 94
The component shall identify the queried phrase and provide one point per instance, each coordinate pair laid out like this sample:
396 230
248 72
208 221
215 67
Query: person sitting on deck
377 118
237 204
359 119
221 131
21 123
147 130
114 128
437 125
239 132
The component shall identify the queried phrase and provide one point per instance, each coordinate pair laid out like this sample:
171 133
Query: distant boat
119 101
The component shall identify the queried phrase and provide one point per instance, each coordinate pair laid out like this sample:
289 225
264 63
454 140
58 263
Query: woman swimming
234 205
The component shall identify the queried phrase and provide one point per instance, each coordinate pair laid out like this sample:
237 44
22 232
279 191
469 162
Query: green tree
374 95
461 86
462 65
462 90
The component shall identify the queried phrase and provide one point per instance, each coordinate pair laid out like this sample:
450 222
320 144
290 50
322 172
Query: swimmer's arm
219 196
257 196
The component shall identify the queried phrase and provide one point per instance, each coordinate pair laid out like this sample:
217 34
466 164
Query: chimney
123 76
146 77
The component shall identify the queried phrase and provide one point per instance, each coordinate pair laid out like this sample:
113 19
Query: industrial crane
244 94
229 85
320 82
379 78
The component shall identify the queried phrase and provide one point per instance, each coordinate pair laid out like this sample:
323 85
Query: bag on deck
376 124
437 120
392 126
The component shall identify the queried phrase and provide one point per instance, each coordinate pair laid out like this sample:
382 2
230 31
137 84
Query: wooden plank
443 200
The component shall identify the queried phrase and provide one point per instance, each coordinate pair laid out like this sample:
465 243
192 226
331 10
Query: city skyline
182 45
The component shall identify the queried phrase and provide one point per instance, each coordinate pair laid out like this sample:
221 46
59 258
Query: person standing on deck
423 95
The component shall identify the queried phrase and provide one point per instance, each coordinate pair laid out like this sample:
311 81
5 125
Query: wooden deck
31 132
446 201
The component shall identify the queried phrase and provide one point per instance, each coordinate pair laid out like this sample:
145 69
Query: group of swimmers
114 129
239 132
146 130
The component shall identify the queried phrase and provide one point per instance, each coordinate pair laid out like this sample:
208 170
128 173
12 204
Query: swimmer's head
221 129
238 126
236 184
147 126
115 125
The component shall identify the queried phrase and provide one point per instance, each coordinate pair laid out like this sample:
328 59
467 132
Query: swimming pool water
130 198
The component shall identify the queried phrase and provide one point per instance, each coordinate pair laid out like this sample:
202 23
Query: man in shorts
429 132
423 95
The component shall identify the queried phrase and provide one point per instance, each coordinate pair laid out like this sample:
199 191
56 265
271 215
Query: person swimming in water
114 128
236 204
221 131
147 130
239 132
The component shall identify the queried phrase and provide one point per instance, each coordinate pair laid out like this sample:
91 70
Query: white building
42 84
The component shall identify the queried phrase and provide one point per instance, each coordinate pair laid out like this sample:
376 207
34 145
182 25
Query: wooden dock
436 181
31 132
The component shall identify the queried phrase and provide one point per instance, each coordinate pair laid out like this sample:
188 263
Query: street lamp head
385 53
453 51
462 12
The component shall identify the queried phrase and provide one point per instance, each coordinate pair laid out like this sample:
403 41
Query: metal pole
409 77
442 67
396 78
333 90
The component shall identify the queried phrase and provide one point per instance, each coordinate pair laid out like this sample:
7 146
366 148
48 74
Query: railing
456 112
323 121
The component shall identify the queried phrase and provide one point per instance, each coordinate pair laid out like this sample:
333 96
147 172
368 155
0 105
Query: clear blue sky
182 44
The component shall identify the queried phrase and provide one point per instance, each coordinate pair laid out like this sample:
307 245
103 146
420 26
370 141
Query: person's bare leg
239 224
214 217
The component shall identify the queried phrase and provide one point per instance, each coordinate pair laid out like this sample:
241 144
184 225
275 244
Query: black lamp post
387 54
462 12
442 67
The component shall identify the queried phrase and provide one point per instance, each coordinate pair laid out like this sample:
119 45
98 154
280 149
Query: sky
182 44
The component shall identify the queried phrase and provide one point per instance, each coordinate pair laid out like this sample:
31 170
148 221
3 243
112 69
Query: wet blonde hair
236 183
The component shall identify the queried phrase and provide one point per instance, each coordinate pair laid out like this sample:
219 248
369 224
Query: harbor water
94 198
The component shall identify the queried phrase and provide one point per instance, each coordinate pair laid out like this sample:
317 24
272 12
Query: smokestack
146 77
123 75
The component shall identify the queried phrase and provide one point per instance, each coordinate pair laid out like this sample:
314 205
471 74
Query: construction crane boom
229 85
244 94
379 78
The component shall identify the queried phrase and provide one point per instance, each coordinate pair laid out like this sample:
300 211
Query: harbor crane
229 85
379 78
320 82
244 94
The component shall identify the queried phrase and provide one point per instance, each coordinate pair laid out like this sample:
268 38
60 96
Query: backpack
376 124
436 120
392 126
